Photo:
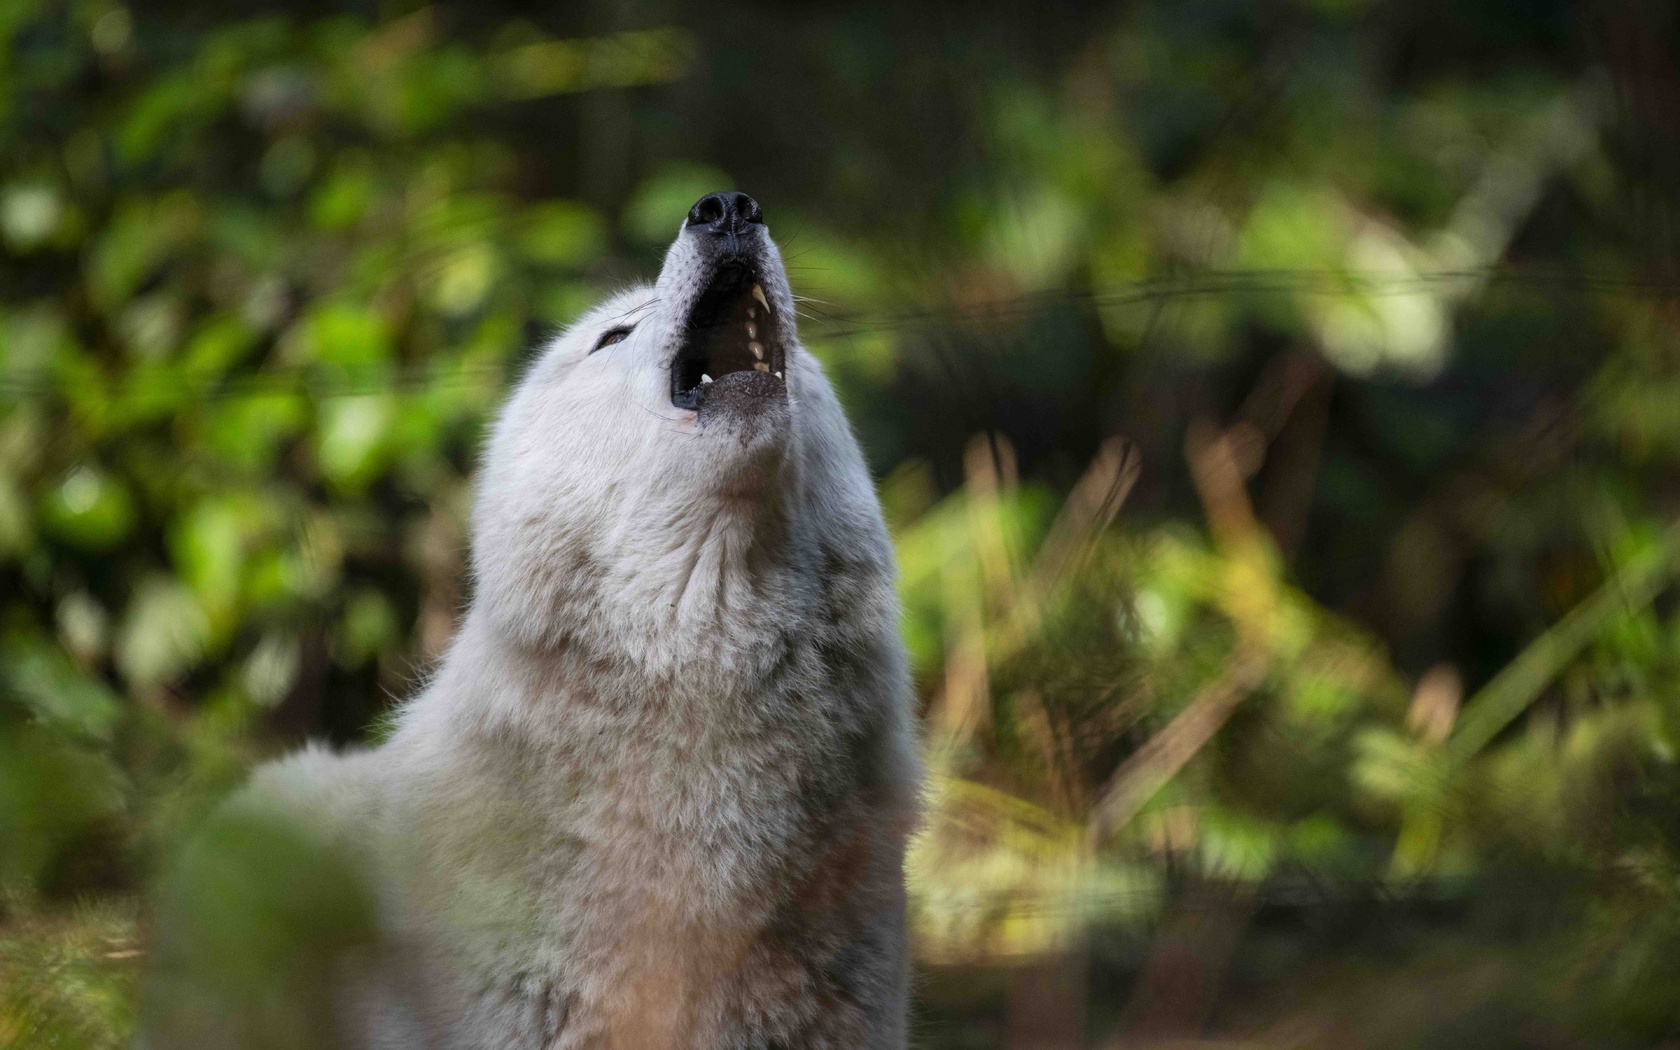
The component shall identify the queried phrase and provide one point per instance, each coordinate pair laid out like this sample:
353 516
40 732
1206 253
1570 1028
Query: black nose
724 213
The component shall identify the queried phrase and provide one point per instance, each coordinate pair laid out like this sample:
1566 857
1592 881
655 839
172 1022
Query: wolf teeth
758 293
760 366
778 375
704 378
757 350
752 330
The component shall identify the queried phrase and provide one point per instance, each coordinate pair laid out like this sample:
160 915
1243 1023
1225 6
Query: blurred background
1276 404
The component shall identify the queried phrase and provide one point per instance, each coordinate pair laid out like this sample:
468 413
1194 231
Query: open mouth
731 329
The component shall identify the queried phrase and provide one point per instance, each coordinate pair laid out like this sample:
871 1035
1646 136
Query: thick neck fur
725 708
751 612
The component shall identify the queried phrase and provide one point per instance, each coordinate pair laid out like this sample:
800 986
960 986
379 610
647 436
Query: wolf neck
494 686
693 628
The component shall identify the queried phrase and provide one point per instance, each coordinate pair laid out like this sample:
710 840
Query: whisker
637 309
825 314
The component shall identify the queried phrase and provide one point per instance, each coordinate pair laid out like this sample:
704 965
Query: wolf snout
724 215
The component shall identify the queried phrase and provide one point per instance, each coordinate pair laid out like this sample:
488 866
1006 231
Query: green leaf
90 508
55 690
352 445
346 335
562 233
163 634
658 207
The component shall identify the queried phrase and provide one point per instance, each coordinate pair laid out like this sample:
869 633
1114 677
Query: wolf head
674 481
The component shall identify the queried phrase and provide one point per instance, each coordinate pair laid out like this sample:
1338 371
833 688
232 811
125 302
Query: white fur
657 793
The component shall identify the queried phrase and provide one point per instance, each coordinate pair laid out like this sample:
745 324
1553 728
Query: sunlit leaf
90 508
163 634
657 209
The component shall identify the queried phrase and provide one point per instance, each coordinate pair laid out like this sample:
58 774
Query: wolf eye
614 335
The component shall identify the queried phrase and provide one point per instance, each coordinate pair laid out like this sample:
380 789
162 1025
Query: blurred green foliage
1373 666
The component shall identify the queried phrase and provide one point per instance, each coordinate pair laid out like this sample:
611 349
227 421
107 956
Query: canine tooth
778 375
758 293
757 350
704 378
760 366
752 330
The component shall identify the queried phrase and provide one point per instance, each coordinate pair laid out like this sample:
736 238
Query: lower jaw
741 392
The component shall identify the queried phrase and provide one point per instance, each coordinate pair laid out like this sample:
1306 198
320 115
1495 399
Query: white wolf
657 794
